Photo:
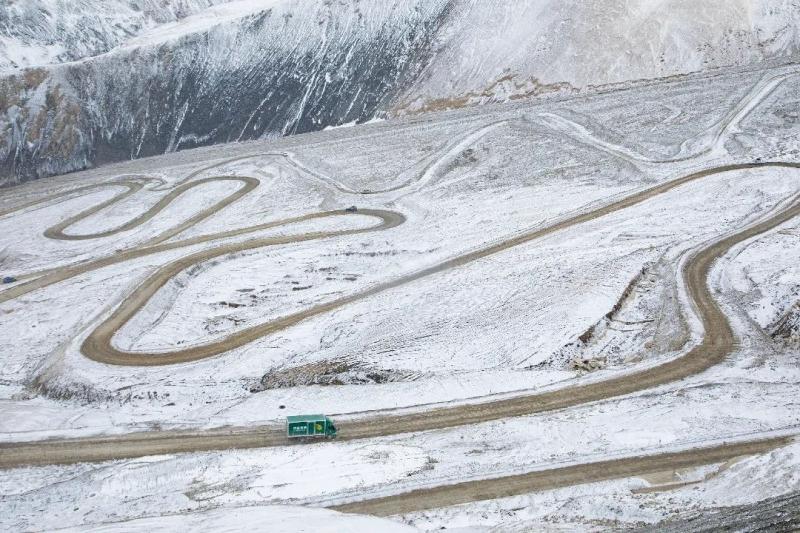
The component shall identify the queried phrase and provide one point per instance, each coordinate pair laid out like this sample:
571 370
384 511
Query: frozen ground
277 519
509 323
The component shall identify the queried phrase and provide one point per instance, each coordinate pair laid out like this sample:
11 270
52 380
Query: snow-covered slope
38 32
148 77
494 50
276 519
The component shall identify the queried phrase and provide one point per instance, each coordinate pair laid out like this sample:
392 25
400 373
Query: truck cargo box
309 426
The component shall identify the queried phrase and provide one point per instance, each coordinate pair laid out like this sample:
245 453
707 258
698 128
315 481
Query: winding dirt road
99 346
131 184
57 231
717 343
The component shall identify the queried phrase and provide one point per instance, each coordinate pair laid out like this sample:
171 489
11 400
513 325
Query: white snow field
507 324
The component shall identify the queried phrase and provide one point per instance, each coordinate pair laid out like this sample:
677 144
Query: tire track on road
702 144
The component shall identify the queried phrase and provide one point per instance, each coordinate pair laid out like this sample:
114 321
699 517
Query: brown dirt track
502 487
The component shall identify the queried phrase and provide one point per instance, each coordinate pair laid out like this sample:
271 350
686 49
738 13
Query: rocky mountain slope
91 82
39 32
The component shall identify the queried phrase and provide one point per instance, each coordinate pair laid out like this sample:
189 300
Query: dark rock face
781 514
272 73
55 31
43 128
787 327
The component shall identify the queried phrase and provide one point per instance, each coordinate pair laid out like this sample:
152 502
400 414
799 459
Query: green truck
310 426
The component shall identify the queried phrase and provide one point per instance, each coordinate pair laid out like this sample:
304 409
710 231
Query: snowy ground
502 325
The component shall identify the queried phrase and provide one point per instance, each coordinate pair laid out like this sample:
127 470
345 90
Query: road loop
57 231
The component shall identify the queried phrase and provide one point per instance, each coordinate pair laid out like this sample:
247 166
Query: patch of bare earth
329 373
